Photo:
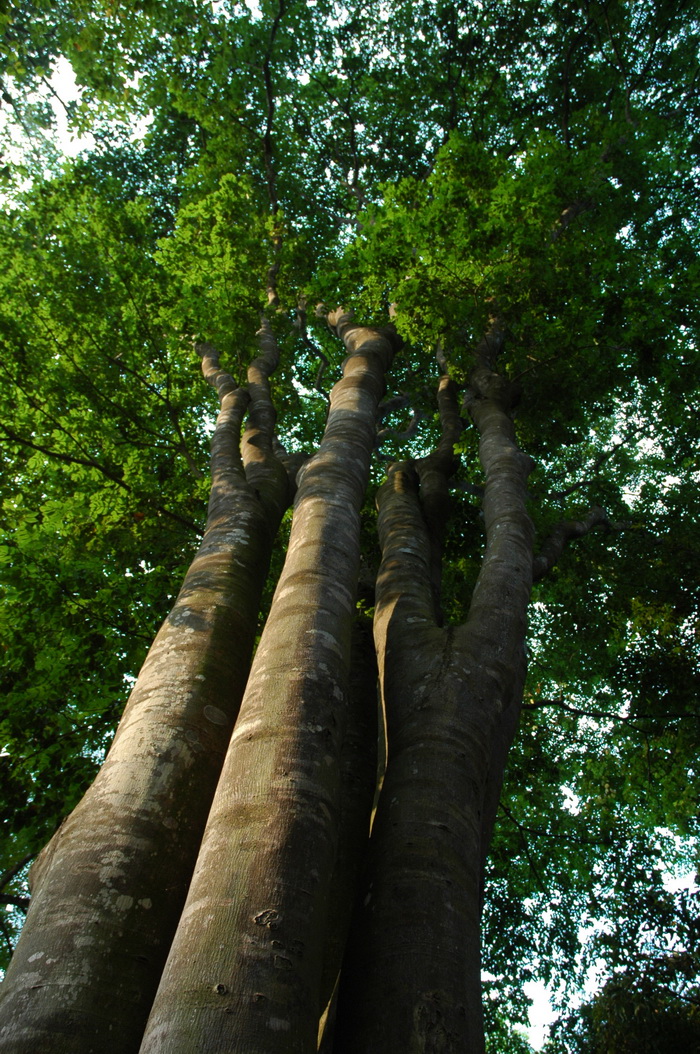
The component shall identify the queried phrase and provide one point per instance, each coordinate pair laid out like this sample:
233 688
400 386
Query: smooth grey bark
410 982
244 971
108 889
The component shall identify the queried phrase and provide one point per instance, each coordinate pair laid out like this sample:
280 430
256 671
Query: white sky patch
25 142
225 9
572 802
58 91
254 8
541 1013
62 81
677 883
141 127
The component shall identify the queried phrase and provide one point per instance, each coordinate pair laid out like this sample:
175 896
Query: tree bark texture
108 889
244 972
411 978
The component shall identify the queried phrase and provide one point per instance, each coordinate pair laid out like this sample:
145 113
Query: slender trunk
244 970
411 979
109 887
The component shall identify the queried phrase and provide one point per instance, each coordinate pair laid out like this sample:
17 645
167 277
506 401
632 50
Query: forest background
427 161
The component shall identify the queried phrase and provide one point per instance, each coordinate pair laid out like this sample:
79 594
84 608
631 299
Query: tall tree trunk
108 889
244 971
411 978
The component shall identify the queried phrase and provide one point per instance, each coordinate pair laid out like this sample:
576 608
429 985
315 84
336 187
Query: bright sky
63 83
541 1014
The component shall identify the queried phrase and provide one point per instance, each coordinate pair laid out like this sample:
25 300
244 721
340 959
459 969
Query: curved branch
268 160
225 451
603 715
521 831
15 869
69 459
598 464
407 433
317 353
564 532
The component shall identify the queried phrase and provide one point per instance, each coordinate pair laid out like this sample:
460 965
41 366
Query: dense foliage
434 160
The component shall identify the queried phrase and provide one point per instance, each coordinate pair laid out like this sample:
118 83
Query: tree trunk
244 972
411 979
109 887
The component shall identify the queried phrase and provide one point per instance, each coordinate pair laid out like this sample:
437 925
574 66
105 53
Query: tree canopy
443 164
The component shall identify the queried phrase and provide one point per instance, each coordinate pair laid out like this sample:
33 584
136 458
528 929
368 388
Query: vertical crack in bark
434 473
358 775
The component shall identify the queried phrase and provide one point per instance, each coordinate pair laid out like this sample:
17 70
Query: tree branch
13 871
521 831
407 433
16 901
268 159
122 411
70 459
598 464
602 715
563 533
317 353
